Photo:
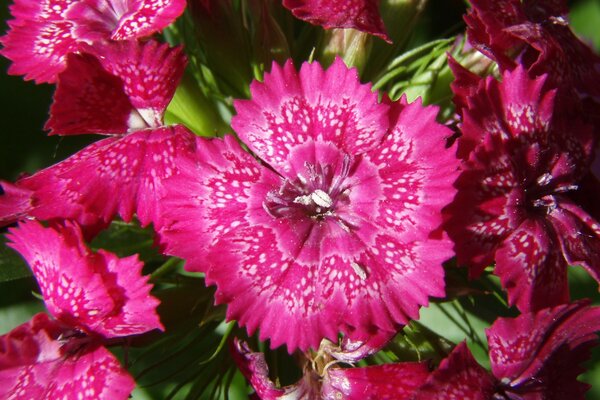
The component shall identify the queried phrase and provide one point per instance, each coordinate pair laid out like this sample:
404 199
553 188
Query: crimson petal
458 377
357 14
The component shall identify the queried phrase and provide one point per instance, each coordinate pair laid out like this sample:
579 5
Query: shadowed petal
88 99
542 352
358 14
532 268
254 368
385 382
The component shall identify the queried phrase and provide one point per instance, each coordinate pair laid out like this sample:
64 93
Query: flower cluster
326 214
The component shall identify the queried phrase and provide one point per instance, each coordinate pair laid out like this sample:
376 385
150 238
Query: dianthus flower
537 34
94 297
43 33
120 89
534 356
362 15
331 230
514 204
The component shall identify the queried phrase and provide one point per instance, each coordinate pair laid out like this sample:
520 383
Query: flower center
541 196
314 194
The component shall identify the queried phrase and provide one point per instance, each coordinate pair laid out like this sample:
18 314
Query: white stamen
304 200
321 198
545 179
359 270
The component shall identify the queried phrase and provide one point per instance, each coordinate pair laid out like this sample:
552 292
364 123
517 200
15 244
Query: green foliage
12 266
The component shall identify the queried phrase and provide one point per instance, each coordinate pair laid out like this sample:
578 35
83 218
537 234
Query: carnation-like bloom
331 231
514 203
43 33
534 356
120 89
357 14
331 382
537 34
94 297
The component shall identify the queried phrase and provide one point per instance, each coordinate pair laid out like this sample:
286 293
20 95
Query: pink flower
390 381
332 230
94 297
122 90
44 33
534 356
362 15
513 204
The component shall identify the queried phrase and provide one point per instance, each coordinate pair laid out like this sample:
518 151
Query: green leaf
421 72
193 109
125 239
453 322
12 266
585 19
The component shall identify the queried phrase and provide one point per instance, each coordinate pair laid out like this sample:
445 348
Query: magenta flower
533 356
390 381
513 203
538 34
94 297
44 33
331 231
120 89
362 15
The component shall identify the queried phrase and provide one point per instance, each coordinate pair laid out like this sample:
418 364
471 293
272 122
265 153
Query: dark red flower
513 204
534 356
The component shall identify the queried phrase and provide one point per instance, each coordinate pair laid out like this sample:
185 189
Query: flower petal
516 107
51 10
254 367
544 349
125 175
532 268
357 14
150 72
289 108
389 381
194 201
579 237
38 49
124 20
41 368
88 99
354 350
15 203
96 292
458 377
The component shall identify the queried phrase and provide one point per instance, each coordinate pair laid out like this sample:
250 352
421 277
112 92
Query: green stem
166 268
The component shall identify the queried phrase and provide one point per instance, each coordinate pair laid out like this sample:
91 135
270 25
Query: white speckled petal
35 363
150 72
291 107
95 292
547 347
532 268
38 49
